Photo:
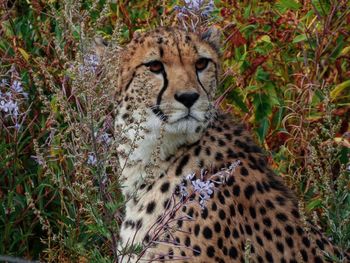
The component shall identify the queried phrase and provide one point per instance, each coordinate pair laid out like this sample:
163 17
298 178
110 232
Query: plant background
286 73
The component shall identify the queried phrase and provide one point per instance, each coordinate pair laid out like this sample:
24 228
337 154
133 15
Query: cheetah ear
100 46
212 36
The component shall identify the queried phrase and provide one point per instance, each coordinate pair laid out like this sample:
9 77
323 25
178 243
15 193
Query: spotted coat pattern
250 214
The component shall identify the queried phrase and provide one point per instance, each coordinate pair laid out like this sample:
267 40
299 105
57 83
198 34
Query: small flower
37 159
104 178
2 105
3 83
105 138
17 126
190 176
17 86
90 63
183 191
195 7
234 165
348 167
10 107
194 4
92 160
208 9
181 11
8 94
205 190
203 186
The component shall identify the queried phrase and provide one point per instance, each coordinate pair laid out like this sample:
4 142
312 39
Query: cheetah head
167 81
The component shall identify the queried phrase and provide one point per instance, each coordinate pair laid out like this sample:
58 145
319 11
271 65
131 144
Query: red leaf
225 12
255 63
236 38
258 61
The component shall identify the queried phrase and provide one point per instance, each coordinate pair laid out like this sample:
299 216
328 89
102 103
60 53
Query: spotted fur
165 95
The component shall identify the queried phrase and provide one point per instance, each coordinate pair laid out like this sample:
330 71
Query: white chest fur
144 160
140 219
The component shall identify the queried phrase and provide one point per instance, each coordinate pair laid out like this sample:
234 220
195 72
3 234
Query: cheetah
197 187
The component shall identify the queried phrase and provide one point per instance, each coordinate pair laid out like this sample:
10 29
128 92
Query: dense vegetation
286 73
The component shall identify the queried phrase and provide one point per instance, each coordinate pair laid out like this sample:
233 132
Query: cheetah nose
187 98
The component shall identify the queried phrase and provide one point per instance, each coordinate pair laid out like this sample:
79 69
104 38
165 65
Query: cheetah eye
155 66
202 63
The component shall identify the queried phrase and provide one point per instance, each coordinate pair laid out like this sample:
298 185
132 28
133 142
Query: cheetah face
168 80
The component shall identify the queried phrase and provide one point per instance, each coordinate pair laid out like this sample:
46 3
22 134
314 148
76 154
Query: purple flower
195 7
205 190
234 165
194 4
208 9
183 191
37 159
90 64
17 86
190 176
92 160
17 126
4 82
9 107
11 99
181 11
105 138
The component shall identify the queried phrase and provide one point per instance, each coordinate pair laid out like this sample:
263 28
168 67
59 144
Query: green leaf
24 54
317 203
262 106
299 38
288 4
270 89
247 11
338 48
262 75
339 88
263 129
54 105
322 6
345 51
250 89
266 38
7 29
278 117
236 97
